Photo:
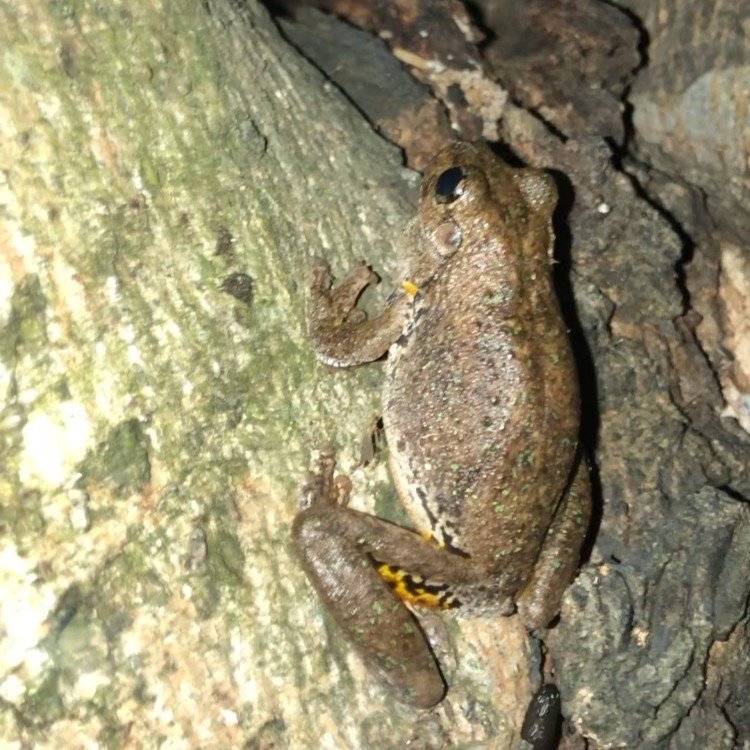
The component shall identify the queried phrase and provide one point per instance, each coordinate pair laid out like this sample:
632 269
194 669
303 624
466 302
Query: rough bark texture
168 170
652 645
666 663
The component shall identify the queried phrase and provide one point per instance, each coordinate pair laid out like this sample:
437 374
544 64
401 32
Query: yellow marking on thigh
415 590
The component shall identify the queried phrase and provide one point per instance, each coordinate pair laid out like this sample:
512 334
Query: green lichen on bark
154 425
121 461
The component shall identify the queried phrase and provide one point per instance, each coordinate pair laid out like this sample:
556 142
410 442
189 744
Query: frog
481 416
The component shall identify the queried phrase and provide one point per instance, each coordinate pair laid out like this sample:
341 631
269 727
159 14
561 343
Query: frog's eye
449 185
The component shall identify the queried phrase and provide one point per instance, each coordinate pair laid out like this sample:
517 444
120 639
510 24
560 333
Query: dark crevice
728 718
549 126
279 8
284 11
564 290
590 416
729 491
644 41
622 152
686 239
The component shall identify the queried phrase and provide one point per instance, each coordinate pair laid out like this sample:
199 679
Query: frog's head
471 199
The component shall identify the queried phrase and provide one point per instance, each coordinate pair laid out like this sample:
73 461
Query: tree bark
168 172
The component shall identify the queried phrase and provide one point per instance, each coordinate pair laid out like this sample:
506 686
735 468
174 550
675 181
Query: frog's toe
536 612
423 688
320 276
308 490
322 487
345 294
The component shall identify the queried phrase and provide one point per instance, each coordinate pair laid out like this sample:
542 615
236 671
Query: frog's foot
338 303
323 487
340 333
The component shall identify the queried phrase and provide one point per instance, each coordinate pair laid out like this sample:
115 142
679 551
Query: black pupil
445 187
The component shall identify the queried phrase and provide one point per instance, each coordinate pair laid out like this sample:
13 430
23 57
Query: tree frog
481 416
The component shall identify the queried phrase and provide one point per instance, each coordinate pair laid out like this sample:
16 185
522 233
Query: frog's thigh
334 544
540 600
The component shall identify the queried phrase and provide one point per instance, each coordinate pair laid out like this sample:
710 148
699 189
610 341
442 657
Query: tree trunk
169 170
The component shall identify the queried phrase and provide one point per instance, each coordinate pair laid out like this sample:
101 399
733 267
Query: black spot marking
402 340
448 541
224 244
456 95
419 313
67 608
240 286
417 586
430 515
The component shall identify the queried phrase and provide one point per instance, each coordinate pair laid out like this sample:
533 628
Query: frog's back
481 402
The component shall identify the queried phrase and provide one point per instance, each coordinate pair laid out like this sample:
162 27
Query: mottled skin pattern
481 414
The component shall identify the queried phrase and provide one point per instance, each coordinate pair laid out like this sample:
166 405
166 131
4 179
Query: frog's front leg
340 333
555 567
341 552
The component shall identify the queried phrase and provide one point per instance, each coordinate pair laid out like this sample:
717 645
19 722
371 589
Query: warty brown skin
481 414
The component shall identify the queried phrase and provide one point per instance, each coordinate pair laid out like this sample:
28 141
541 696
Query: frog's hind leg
556 565
337 546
